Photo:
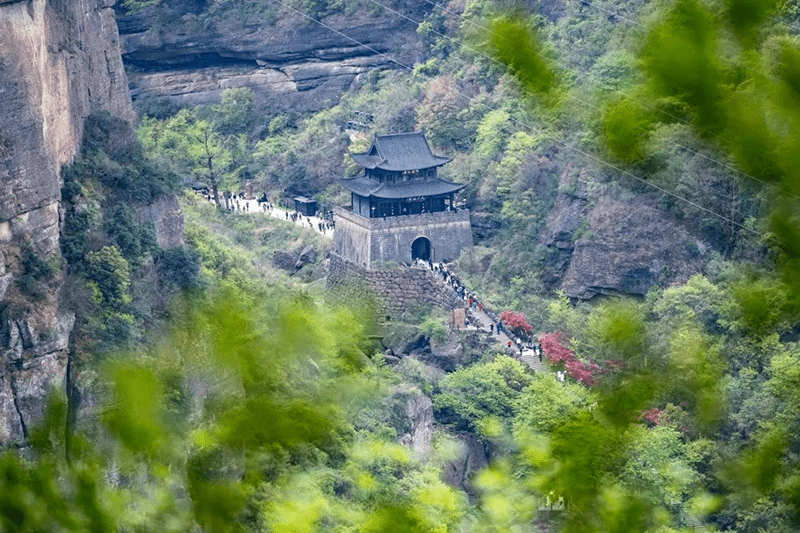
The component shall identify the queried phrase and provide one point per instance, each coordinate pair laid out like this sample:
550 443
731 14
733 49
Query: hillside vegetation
587 108
579 130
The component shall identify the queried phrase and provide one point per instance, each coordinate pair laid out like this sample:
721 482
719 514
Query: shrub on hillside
113 156
157 107
516 323
179 266
34 277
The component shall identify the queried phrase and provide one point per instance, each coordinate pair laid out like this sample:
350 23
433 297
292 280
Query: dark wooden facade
400 178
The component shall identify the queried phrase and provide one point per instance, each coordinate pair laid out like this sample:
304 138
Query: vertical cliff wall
59 63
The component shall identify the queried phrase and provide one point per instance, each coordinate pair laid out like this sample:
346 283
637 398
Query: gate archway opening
421 249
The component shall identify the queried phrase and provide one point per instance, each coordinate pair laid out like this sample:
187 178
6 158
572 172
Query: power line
784 23
607 87
541 132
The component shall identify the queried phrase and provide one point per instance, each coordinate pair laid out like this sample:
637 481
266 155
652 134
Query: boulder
390 359
308 255
417 345
448 356
285 260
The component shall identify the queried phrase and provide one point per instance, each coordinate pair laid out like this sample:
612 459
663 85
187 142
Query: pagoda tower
399 209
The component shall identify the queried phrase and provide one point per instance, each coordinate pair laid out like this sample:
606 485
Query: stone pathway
253 208
482 322
528 357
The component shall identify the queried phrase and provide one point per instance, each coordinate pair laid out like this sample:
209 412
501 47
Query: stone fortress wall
391 291
372 241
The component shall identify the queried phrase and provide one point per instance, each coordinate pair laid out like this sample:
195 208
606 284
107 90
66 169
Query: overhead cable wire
539 131
784 23
618 91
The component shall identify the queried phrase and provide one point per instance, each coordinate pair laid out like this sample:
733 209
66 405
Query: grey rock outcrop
285 260
600 244
289 63
308 255
566 217
473 457
165 213
59 63
633 247
449 356
292 262
419 411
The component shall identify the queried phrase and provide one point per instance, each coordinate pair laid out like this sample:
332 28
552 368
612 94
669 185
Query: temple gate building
399 209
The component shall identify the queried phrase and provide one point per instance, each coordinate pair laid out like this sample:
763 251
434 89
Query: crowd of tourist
515 345
322 226
237 202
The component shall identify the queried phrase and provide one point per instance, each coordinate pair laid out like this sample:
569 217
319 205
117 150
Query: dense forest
228 395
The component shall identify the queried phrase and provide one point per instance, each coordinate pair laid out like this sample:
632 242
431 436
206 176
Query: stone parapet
462 215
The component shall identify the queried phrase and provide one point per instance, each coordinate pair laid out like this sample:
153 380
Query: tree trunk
215 190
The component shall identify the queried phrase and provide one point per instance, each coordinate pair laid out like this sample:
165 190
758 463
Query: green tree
111 272
193 148
481 392
545 404
235 114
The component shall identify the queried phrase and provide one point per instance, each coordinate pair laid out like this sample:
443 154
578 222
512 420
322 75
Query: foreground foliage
239 420
677 410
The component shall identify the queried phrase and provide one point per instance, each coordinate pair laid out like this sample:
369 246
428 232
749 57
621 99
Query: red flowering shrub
556 353
652 417
516 323
586 373
554 350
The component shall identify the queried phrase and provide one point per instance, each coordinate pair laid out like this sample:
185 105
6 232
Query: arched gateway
421 249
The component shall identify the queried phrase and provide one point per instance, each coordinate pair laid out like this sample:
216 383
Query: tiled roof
366 187
399 151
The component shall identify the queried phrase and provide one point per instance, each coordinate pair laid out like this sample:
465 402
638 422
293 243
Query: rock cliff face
633 247
59 63
165 213
604 245
289 63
